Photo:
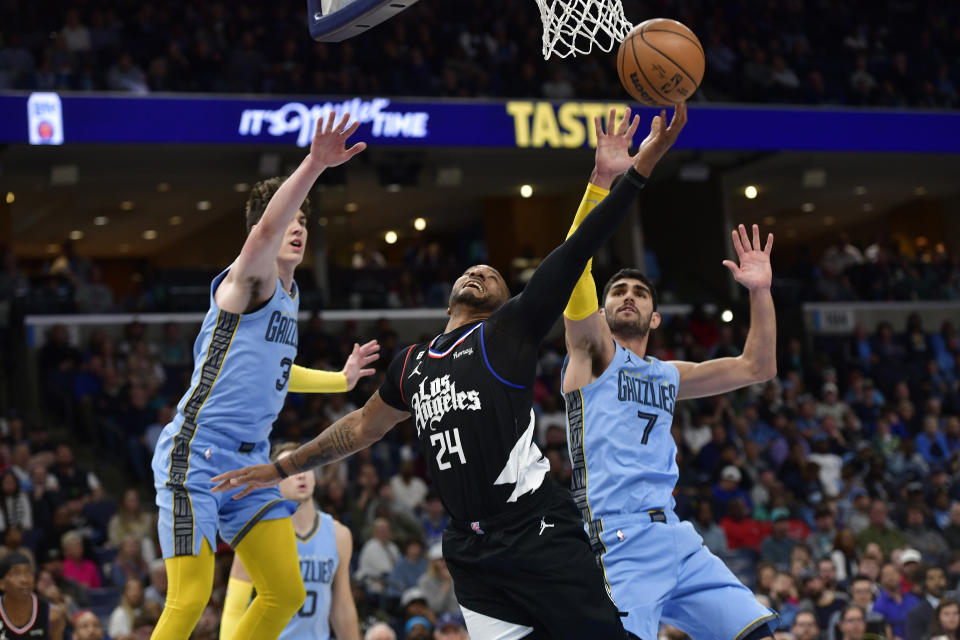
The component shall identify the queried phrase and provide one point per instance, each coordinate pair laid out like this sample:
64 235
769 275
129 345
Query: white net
572 27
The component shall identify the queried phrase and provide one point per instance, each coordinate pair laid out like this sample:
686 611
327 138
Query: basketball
660 62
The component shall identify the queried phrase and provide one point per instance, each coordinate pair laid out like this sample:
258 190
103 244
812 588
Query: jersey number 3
285 365
651 420
447 444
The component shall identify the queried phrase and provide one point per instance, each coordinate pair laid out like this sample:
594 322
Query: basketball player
515 547
22 613
619 411
243 363
324 547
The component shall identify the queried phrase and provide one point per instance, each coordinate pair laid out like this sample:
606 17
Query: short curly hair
260 196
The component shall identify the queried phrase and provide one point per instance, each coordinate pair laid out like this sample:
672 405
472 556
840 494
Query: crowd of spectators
833 485
894 53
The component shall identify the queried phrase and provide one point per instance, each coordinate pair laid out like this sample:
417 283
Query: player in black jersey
516 549
22 613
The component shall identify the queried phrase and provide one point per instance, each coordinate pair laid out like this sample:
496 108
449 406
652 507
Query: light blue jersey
318 564
624 472
618 426
251 355
241 367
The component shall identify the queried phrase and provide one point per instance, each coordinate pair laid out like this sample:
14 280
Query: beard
629 329
482 302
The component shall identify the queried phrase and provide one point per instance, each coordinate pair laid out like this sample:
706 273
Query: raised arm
758 362
304 380
355 431
252 277
550 287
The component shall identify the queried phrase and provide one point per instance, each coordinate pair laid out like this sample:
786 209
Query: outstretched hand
661 138
360 358
328 148
754 270
250 478
613 148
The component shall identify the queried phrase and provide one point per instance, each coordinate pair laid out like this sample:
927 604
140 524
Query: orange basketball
660 62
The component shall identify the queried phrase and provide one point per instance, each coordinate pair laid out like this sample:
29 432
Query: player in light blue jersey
324 547
243 368
620 405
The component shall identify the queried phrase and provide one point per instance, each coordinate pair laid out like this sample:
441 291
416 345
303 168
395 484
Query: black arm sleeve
390 389
528 317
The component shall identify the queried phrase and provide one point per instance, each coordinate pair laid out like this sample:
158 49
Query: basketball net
572 27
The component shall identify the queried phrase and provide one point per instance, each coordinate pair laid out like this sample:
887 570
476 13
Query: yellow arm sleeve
234 606
583 300
303 380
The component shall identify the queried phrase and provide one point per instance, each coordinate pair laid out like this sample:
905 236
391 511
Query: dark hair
849 607
260 196
809 612
935 628
635 274
10 561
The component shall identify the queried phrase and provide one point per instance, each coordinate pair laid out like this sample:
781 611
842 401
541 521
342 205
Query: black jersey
38 628
475 427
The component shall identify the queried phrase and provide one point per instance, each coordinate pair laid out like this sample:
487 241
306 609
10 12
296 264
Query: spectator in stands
823 537
931 545
366 485
776 547
93 296
946 621
129 520
805 626
408 488
952 533
409 568
380 631
921 615
86 626
75 484
157 591
705 524
13 543
451 627
742 531
728 489
880 530
931 443
820 599
844 555
15 508
124 617
434 519
862 595
377 557
129 562
785 597
853 622
75 567
893 604
437 585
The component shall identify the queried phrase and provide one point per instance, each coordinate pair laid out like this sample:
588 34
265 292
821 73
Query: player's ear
655 320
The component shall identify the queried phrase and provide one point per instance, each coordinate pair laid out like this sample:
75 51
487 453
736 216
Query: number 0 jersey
623 456
475 428
241 366
318 564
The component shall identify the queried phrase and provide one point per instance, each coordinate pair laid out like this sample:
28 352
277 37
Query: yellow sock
269 554
189 583
234 606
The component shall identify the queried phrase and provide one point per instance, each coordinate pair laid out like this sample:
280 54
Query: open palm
754 270
613 148
328 148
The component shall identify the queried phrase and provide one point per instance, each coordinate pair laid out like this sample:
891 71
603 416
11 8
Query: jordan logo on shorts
543 525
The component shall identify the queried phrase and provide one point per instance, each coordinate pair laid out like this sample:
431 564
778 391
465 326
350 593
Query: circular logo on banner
45 130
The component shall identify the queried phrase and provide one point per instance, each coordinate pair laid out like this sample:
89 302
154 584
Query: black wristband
634 176
283 474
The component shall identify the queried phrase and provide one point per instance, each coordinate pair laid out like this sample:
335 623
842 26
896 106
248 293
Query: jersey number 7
651 420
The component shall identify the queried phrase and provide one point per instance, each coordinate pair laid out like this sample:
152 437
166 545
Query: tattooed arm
351 433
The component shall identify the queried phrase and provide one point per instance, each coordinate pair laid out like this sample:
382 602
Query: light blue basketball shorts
657 569
183 465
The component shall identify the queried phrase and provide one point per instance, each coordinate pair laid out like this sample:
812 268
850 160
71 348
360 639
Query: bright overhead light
867 207
807 207
76 234
859 191
750 192
390 237
526 191
241 187
393 188
727 315
350 207
204 205
420 224
163 187
10 197
149 234
126 205
175 221
920 191
100 221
